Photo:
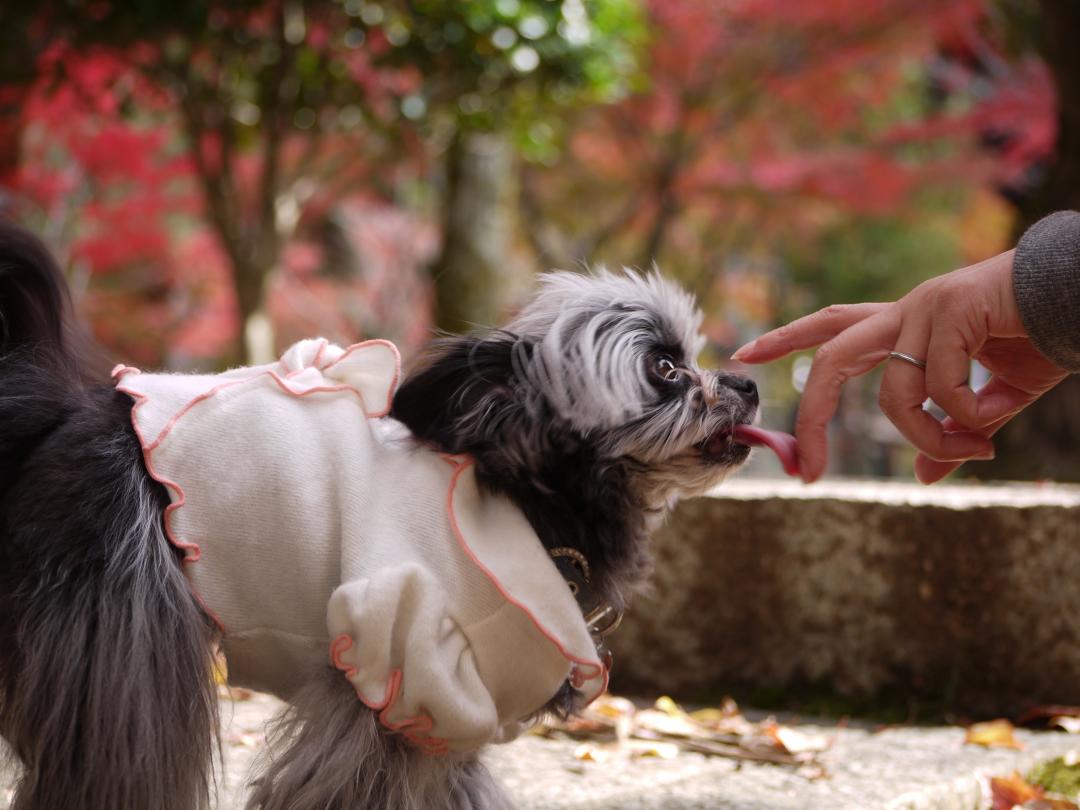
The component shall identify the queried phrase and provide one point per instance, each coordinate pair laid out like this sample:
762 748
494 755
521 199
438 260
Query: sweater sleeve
1046 279
408 660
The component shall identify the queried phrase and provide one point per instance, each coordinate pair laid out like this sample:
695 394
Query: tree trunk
11 128
255 337
474 280
1060 188
667 207
1044 440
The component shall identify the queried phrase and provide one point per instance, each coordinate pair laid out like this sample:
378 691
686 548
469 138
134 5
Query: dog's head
602 366
592 393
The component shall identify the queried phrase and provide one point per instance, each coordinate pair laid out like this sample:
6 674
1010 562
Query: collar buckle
601 617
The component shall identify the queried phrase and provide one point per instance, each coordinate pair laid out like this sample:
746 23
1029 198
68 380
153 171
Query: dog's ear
451 383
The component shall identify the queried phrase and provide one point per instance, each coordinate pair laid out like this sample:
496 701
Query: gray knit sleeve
1046 278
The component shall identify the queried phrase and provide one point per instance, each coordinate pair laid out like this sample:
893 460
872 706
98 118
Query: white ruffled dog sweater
314 525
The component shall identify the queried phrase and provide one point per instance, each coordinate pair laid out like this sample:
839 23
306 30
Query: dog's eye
665 369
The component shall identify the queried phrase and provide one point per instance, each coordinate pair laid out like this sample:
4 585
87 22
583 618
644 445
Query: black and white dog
575 428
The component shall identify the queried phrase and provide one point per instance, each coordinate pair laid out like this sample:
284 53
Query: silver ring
907 358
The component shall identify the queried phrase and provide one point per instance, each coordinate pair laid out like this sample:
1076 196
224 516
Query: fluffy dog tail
44 362
34 301
106 693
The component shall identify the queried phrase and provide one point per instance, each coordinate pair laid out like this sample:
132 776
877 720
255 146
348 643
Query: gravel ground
897 769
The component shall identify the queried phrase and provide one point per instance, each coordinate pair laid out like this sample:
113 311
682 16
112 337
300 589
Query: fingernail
744 351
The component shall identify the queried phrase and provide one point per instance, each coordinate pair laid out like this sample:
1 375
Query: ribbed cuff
1046 278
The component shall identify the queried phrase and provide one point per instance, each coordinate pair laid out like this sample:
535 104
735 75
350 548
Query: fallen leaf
670 724
612 707
727 710
993 734
221 669
661 750
1008 791
614 727
587 752
725 719
1070 724
668 706
798 742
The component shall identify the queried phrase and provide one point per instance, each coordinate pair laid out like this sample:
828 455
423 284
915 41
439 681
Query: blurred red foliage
767 120
105 172
758 118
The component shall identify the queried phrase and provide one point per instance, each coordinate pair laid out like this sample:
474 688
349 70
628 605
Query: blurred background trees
223 178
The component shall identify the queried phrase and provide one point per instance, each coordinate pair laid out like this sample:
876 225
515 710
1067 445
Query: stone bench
968 595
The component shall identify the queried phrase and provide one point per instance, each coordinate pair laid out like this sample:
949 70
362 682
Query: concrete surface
966 595
901 769
894 769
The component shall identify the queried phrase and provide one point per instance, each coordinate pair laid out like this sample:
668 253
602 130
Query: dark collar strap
600 617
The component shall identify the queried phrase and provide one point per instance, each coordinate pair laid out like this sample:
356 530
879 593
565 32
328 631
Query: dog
420 567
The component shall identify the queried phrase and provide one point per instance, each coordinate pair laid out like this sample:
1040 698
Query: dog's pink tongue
783 444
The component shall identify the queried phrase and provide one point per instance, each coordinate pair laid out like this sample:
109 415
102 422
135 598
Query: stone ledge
949 496
969 596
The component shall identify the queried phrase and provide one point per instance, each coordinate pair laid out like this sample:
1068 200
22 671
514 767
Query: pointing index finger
806 332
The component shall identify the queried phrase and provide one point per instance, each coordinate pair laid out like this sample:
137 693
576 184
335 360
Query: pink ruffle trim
192 552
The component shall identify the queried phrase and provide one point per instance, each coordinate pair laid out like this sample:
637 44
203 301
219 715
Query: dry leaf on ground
1069 724
993 734
797 742
1010 792
588 752
614 727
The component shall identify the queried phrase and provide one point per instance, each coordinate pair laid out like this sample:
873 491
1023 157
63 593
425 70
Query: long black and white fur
588 411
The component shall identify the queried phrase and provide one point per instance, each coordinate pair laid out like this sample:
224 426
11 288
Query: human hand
969 313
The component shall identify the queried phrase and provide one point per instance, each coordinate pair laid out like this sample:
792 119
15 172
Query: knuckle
927 289
951 297
783 334
937 390
825 355
945 298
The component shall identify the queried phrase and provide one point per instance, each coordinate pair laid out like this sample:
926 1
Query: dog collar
601 617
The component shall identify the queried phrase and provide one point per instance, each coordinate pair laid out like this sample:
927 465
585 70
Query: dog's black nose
746 387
